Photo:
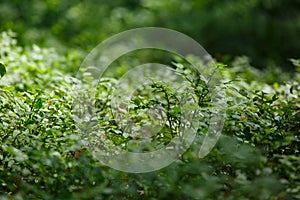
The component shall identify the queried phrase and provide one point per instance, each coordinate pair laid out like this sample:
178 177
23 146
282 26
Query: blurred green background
267 31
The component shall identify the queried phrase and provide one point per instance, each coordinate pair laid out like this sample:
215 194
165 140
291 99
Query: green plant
43 154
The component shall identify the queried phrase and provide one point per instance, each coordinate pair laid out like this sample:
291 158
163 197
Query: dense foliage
42 155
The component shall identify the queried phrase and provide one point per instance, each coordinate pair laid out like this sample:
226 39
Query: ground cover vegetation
43 152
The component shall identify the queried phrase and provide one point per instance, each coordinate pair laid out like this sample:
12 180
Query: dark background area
267 31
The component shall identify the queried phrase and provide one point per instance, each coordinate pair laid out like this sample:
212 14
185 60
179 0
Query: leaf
177 110
39 103
137 101
295 62
2 70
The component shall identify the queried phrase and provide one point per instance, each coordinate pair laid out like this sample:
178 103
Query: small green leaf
39 103
137 101
177 110
2 70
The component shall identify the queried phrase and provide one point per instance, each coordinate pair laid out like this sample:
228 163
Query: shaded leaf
2 70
